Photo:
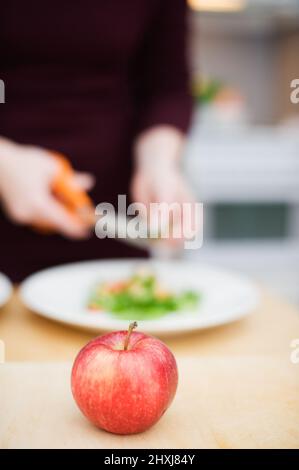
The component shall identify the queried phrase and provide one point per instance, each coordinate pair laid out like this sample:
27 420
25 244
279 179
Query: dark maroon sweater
83 78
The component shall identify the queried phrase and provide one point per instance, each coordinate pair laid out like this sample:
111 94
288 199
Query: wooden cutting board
228 402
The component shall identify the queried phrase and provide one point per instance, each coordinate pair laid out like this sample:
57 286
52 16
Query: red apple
124 381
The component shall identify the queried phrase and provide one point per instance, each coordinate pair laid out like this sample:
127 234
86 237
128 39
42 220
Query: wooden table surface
238 387
269 330
248 402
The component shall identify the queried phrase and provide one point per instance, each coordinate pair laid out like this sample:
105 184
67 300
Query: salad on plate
140 297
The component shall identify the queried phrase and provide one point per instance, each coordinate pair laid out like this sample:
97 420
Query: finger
54 214
140 194
192 214
170 216
84 181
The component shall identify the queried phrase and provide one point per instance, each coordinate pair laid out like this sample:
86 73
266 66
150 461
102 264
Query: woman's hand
26 175
159 179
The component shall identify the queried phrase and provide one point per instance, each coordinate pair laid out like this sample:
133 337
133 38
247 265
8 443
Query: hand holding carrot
27 174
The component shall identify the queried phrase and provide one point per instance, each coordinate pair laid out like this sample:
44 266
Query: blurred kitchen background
243 150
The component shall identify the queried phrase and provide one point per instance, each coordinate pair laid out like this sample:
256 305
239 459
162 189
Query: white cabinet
247 172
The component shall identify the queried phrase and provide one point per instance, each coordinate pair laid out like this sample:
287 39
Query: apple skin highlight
124 391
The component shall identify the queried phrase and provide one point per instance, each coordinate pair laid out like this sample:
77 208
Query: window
250 221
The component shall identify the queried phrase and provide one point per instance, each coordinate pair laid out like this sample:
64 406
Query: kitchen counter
237 388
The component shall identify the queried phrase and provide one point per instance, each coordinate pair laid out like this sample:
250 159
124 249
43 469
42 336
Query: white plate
5 289
61 293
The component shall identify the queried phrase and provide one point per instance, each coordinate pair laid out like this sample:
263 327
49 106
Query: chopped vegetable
140 298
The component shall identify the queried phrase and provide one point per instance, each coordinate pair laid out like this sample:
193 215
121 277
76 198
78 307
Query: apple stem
130 329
